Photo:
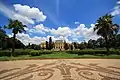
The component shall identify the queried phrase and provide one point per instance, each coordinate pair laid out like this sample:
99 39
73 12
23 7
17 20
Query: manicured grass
62 55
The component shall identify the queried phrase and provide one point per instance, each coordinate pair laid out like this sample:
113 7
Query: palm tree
17 27
106 28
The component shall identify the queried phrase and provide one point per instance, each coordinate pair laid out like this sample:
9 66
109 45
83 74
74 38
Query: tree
66 47
17 27
47 46
91 44
3 37
50 43
37 47
115 41
118 41
101 42
106 28
71 47
76 45
82 45
18 43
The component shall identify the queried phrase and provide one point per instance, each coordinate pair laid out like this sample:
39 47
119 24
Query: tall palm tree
106 28
17 27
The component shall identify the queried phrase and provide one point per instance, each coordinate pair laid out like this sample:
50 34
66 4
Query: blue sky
70 20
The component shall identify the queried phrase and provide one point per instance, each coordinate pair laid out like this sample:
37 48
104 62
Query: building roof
59 41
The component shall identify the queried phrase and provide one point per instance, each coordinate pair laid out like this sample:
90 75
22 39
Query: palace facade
57 45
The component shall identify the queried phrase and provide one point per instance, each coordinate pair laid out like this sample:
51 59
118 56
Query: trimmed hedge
93 52
35 53
22 52
5 53
16 53
38 52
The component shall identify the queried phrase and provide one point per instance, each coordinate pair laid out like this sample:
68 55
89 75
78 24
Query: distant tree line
113 42
33 46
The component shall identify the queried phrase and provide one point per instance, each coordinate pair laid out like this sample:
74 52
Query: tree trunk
107 45
13 47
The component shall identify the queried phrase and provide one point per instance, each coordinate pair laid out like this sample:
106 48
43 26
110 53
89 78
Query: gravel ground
61 69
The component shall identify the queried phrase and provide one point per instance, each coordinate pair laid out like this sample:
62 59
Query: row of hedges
38 53
18 53
94 52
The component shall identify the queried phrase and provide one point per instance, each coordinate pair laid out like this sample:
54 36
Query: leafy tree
71 47
115 41
3 37
50 43
106 28
37 47
47 46
91 44
118 41
100 42
17 27
66 47
76 45
18 43
82 45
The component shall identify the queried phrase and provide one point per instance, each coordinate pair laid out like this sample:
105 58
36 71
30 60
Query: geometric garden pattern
61 70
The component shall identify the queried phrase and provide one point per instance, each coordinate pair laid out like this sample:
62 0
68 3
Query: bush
18 53
24 52
75 52
46 52
38 53
114 52
5 53
35 53
93 52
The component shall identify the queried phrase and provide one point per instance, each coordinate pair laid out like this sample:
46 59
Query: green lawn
59 56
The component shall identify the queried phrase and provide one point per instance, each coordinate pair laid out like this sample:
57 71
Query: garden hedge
38 52
93 52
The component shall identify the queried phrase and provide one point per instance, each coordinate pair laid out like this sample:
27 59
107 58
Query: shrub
18 53
79 52
46 52
93 52
5 53
38 53
35 53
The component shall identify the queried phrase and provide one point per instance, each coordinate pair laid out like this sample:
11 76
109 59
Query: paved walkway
61 69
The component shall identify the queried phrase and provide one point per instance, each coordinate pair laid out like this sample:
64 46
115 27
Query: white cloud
84 32
26 39
39 29
30 12
62 31
23 13
23 19
118 2
116 10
